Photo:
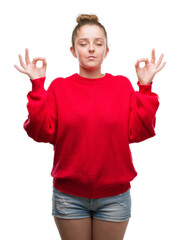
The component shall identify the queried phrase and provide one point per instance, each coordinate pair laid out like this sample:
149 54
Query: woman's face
90 41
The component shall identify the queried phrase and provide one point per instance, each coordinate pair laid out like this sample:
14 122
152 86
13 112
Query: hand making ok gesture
146 74
30 68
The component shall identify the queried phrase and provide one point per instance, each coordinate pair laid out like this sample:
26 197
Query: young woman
91 118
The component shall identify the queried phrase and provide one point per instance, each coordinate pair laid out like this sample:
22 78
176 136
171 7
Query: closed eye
99 44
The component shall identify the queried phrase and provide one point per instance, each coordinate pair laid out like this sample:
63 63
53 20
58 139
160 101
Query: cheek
102 52
80 53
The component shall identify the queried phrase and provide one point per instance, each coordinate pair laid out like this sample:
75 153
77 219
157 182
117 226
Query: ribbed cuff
145 88
38 84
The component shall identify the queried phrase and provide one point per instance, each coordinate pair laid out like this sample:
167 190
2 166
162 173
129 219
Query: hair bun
85 17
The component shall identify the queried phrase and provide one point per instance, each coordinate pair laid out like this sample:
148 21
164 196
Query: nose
91 47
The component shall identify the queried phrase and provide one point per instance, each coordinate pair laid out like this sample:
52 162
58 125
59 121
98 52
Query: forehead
90 32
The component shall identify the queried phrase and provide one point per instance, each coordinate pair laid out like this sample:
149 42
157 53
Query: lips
91 57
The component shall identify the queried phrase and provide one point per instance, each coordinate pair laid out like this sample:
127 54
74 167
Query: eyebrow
95 38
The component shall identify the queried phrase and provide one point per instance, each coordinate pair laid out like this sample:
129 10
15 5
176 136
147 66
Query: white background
45 28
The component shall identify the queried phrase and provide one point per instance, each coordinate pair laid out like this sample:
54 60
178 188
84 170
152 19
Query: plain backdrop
45 28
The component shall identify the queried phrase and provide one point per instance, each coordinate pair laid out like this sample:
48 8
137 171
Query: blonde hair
86 19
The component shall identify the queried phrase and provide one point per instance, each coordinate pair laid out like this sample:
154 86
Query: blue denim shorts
116 208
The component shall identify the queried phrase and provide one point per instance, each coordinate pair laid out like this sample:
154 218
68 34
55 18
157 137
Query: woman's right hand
30 67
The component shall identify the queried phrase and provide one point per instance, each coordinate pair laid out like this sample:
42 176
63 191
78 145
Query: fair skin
146 74
91 41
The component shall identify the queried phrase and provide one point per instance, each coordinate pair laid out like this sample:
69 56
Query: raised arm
41 124
144 103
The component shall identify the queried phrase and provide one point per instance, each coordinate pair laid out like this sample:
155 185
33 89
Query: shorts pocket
61 205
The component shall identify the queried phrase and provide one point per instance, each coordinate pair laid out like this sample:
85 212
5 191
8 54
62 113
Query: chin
91 68
88 67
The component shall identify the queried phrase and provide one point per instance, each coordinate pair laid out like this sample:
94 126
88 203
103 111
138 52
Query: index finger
37 59
146 60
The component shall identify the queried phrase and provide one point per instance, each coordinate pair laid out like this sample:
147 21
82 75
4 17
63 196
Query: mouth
91 57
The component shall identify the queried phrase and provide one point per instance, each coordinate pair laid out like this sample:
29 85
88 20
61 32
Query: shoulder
119 77
122 79
61 80
60 84
56 83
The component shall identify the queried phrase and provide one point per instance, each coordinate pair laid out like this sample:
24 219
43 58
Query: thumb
44 63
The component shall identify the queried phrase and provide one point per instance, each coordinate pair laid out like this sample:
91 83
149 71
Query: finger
161 67
44 63
27 56
136 64
153 58
37 59
19 69
159 61
146 60
21 62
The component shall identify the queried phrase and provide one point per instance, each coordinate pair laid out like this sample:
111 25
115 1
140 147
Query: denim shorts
116 208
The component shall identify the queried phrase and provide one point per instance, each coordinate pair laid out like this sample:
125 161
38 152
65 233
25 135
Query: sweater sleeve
143 106
42 118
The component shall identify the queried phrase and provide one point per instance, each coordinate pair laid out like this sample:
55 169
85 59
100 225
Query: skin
92 46
29 68
146 74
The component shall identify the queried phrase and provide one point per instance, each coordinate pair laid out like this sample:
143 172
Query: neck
95 73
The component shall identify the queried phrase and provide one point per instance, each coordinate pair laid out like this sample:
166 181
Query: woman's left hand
146 74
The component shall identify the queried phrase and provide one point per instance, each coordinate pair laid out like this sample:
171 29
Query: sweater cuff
38 84
145 88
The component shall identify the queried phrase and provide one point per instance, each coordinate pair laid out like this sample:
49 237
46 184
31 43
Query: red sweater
91 123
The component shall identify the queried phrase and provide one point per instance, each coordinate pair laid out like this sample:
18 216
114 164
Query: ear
73 52
107 50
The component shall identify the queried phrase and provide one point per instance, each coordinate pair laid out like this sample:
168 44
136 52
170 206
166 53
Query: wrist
36 77
144 82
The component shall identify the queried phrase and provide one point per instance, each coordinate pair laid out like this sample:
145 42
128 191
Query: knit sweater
91 122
